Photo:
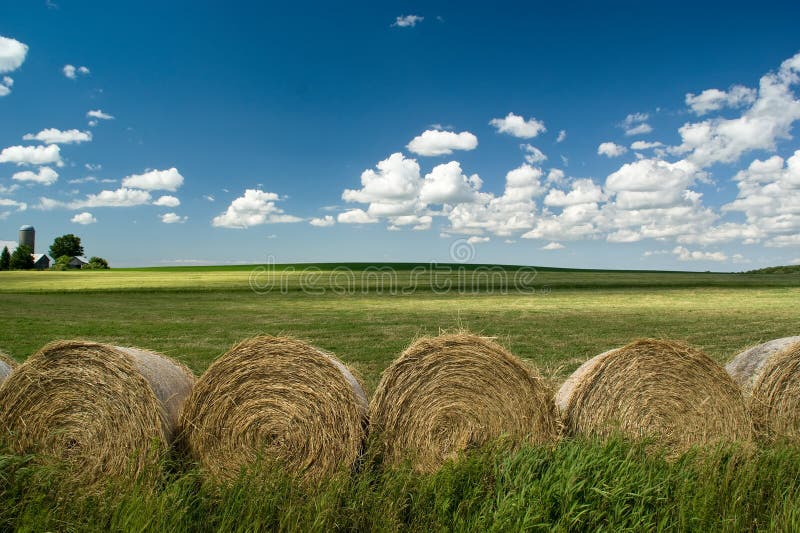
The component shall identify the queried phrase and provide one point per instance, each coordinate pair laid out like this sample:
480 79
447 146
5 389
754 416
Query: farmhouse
41 261
77 261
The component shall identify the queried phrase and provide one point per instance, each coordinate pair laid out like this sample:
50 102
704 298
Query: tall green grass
576 485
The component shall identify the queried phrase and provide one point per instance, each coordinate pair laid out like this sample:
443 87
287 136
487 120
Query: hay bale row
769 374
281 400
270 398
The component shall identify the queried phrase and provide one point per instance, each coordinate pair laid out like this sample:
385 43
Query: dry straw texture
6 366
104 410
453 392
770 375
664 390
280 400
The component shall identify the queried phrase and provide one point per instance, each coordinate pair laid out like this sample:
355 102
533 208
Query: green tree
96 263
69 245
5 259
22 258
62 263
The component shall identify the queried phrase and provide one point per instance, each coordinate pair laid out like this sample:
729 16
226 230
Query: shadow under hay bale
7 365
280 400
769 374
446 394
654 389
103 410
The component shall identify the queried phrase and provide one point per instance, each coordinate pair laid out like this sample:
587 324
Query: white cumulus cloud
45 176
72 72
155 180
31 155
610 149
56 136
769 197
83 218
447 184
439 142
651 183
583 191
397 178
355 216
417 222
714 99
254 208
173 218
322 222
552 246
12 54
167 201
518 127
502 215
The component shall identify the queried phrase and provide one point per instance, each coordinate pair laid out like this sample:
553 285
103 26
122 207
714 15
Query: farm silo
27 236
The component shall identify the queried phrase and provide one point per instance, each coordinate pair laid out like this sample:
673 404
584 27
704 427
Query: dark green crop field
366 315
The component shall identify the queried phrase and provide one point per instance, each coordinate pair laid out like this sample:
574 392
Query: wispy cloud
407 21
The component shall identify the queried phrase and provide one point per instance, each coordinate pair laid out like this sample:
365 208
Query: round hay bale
278 399
103 410
7 365
450 393
770 376
663 390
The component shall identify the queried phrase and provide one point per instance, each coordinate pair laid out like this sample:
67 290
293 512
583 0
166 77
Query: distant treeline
786 269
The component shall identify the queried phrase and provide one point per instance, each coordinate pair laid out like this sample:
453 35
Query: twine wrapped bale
769 374
103 410
450 393
662 390
276 399
7 365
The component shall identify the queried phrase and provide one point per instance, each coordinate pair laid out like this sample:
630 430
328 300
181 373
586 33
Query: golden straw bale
453 392
104 410
656 389
278 399
770 376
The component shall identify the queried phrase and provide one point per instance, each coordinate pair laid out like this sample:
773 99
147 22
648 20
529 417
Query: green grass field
366 316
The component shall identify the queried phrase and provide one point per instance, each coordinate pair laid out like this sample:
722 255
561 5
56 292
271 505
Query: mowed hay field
562 319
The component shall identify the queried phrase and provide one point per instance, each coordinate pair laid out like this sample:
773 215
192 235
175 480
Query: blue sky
390 131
